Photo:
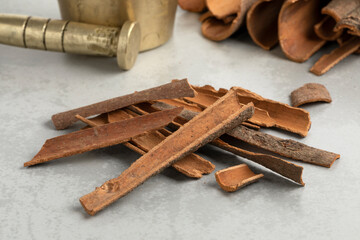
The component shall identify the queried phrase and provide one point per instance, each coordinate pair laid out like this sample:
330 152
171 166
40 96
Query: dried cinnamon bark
310 93
284 147
278 165
351 22
175 89
288 118
325 29
208 125
192 5
191 165
226 18
102 136
262 22
326 62
296 28
234 178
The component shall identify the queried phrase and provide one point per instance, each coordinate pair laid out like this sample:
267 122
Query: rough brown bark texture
208 125
275 164
285 147
226 18
310 93
175 89
296 28
234 178
262 22
192 5
102 136
191 165
351 22
326 62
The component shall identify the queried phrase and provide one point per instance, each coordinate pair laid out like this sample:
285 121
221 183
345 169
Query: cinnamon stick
310 93
234 178
191 165
284 147
262 22
101 136
175 89
192 5
296 28
326 62
351 22
275 164
208 125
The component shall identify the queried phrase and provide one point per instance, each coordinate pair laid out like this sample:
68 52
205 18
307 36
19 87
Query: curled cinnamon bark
234 178
310 93
326 62
351 22
175 89
226 18
262 22
296 28
192 5
208 125
101 136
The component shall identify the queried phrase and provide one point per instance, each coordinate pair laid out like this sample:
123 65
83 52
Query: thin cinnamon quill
226 18
101 136
175 89
275 164
208 125
310 93
236 177
326 62
296 28
262 22
191 165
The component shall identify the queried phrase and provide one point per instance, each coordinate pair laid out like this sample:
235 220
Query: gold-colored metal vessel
72 37
156 17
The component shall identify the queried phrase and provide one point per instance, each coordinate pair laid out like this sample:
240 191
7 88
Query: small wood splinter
310 93
234 178
224 115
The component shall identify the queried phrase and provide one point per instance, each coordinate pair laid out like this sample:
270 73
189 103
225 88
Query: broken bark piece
175 89
260 117
208 125
296 28
192 165
192 5
288 118
236 177
326 62
262 22
285 147
227 17
310 93
275 164
102 136
325 29
180 103
351 22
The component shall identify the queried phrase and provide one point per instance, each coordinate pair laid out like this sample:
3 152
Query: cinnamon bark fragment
175 89
262 22
351 22
296 28
234 178
326 62
310 93
191 165
192 5
285 147
208 125
227 17
101 136
275 164
325 29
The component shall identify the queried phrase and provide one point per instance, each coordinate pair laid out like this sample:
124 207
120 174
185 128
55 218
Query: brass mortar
156 17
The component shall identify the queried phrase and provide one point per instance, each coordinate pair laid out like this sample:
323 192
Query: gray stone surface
42 202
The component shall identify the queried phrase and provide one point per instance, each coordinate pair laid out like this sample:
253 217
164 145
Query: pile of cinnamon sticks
301 27
167 124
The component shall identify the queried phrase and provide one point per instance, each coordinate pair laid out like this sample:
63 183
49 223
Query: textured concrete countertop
42 202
